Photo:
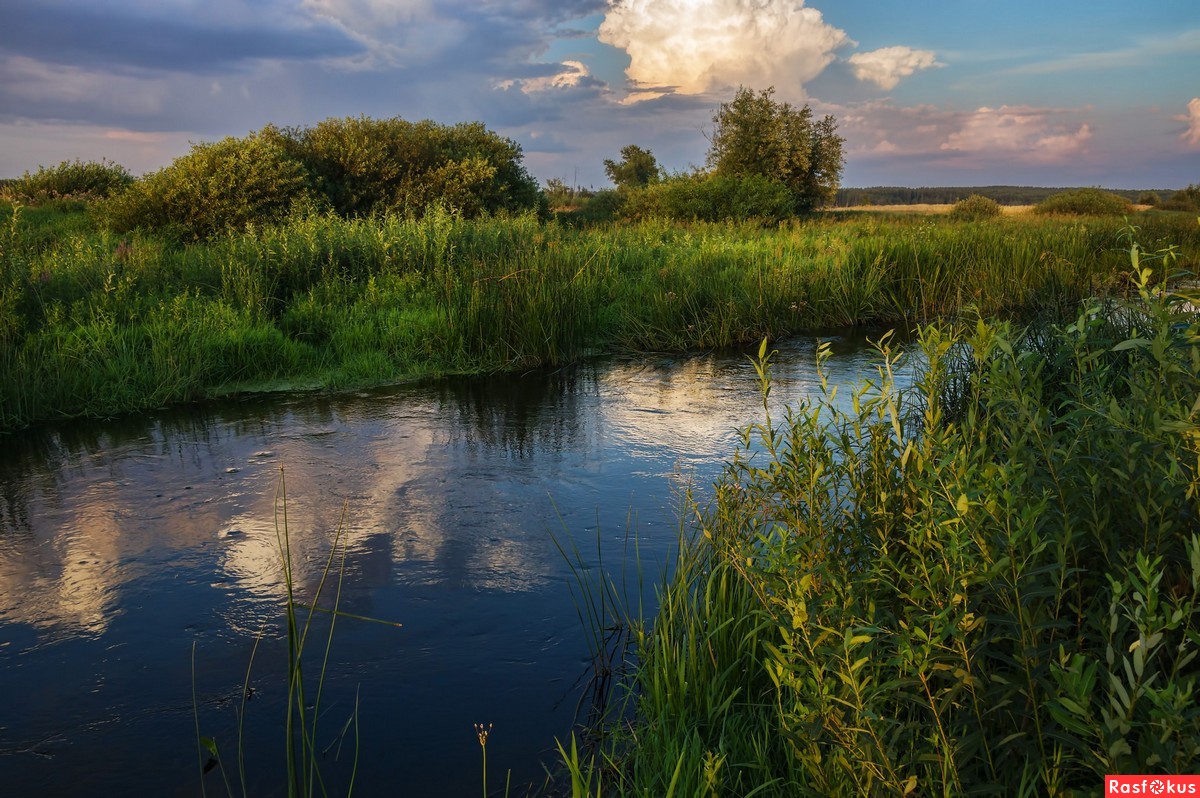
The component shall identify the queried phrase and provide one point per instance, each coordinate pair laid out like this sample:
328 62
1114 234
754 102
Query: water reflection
149 535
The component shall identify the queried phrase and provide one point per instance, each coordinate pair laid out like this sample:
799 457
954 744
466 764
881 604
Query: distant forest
943 195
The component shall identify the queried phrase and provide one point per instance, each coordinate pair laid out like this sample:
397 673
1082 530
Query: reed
92 324
989 583
303 707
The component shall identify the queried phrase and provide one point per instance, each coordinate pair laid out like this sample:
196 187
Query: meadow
985 583
96 324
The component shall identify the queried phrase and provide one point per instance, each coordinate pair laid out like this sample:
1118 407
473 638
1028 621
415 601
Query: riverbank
989 583
93 324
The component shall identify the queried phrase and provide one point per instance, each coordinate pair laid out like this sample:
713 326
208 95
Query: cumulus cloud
1007 130
885 67
697 46
1191 136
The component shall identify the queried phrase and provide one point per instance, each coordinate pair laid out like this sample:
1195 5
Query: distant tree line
945 195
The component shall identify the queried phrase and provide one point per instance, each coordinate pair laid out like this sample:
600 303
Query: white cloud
886 66
1191 136
572 74
697 46
1021 130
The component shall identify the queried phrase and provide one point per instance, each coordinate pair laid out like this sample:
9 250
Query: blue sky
927 92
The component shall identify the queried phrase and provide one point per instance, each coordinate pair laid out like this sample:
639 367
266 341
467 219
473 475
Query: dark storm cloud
111 36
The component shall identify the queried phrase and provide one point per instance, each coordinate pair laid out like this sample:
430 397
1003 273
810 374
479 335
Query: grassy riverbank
95 324
989 584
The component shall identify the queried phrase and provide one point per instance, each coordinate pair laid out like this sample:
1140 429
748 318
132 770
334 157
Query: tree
754 134
636 168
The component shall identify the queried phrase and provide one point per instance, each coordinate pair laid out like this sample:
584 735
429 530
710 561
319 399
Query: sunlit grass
989 583
93 324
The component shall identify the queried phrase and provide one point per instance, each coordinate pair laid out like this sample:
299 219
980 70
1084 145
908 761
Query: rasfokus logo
1151 785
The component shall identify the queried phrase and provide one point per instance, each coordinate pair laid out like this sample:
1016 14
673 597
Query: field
986 583
95 324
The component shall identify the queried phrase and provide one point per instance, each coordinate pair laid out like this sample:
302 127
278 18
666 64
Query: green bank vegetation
96 323
985 583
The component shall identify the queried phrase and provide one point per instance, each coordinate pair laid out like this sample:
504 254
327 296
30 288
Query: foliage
989 583
226 185
636 168
711 198
95 324
70 180
597 207
1148 198
364 166
1187 200
974 208
356 166
755 135
946 195
1084 202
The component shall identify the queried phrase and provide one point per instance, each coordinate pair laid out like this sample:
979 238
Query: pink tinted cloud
1022 131
1191 136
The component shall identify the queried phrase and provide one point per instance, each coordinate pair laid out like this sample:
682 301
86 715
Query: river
132 548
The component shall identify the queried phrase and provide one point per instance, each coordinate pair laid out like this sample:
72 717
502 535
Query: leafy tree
754 134
636 168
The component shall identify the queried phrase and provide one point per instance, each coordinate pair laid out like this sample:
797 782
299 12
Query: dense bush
1187 200
975 208
225 185
355 166
364 166
705 197
1084 202
82 180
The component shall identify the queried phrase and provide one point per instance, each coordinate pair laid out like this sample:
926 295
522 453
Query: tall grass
300 729
93 324
987 584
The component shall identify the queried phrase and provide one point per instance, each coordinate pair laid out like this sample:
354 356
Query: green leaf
1130 343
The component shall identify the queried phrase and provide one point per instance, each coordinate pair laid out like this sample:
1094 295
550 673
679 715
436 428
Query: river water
131 549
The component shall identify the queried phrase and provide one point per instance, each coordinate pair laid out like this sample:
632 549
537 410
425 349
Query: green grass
94 324
989 583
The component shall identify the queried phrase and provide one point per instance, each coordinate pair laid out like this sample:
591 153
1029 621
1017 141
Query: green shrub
1187 200
79 180
216 187
975 208
1084 202
1149 198
712 198
365 166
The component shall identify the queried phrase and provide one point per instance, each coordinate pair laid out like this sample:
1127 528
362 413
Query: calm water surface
124 546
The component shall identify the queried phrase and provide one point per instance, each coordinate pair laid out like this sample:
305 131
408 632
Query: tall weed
986 583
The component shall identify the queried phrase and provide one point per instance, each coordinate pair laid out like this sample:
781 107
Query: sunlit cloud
886 66
698 46
572 74
1191 136
1024 132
